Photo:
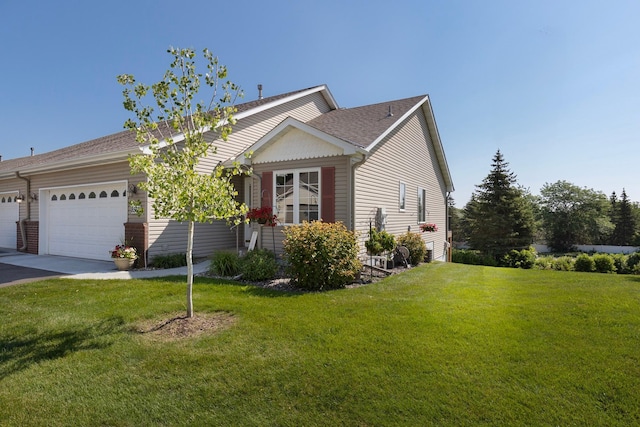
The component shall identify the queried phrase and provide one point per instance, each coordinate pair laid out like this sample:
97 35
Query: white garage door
8 218
86 221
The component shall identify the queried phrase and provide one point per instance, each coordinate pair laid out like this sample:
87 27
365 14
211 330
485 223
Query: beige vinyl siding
245 133
341 163
169 237
406 155
250 129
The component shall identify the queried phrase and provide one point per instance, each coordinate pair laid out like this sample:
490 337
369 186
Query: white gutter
80 161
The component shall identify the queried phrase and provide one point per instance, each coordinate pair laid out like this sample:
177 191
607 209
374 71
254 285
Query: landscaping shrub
620 263
320 255
564 263
584 263
170 260
472 257
259 264
415 244
544 263
225 263
379 242
524 258
633 262
603 263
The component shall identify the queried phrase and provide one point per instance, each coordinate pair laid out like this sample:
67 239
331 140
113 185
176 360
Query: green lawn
443 344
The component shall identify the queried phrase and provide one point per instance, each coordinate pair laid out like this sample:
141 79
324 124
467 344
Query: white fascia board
80 162
425 103
439 149
397 123
289 122
322 88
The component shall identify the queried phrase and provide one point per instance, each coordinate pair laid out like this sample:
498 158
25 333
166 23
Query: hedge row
527 258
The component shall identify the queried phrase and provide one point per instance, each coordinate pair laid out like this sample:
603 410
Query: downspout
22 222
448 228
352 190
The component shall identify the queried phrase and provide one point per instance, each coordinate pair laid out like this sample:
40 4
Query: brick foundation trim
32 229
137 235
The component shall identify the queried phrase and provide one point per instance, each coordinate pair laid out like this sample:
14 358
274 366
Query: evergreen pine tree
624 221
498 215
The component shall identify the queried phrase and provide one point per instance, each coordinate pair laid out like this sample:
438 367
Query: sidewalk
78 268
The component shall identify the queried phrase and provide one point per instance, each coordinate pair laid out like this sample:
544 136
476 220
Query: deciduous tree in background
172 132
499 217
573 215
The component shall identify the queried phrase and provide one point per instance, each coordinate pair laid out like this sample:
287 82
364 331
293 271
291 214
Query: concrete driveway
16 267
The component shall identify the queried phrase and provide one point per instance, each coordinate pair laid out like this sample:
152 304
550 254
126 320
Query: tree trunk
190 270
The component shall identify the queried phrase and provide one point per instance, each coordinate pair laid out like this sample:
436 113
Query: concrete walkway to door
78 268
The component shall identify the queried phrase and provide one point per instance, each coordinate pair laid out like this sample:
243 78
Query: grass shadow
247 287
20 351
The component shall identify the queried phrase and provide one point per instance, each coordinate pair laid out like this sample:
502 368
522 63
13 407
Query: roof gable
367 126
363 125
293 139
118 146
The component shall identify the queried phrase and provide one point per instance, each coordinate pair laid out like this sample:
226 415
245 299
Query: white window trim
296 195
402 196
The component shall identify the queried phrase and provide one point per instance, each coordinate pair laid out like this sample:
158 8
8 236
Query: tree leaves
174 143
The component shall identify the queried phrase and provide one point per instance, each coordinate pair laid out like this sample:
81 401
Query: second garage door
86 221
8 219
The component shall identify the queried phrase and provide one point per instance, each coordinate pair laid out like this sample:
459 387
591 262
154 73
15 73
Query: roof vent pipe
390 112
31 151
259 91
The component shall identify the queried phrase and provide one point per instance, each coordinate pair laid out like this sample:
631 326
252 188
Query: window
422 196
297 195
402 197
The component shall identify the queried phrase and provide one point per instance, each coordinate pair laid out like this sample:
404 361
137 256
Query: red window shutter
328 177
267 188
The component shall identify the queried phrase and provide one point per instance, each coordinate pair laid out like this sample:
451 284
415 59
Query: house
377 165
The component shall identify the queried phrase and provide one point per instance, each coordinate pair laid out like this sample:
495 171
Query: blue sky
555 85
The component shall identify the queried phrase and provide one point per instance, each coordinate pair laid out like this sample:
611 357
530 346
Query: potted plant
428 227
263 215
124 256
381 242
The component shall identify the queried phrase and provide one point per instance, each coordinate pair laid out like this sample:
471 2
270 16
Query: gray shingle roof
118 142
363 125
359 126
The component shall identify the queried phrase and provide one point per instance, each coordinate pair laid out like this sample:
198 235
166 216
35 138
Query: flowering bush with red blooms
428 227
263 215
